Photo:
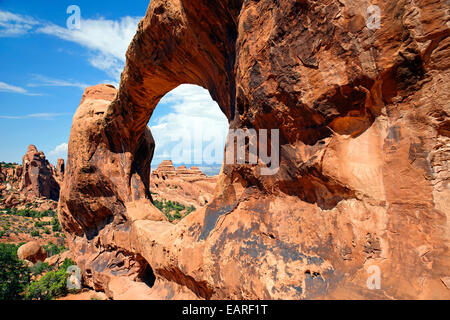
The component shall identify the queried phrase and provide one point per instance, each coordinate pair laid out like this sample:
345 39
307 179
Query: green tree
53 284
14 274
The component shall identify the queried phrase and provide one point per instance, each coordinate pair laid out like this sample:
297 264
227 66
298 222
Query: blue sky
44 68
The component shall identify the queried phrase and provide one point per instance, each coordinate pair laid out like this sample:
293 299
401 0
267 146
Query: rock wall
364 151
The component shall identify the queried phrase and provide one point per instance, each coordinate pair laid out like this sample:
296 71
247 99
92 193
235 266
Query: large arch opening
189 130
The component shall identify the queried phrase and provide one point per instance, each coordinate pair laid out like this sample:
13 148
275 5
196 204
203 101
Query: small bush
53 284
56 227
190 210
35 233
52 249
40 267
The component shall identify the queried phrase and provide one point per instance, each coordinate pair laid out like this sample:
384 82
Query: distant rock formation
38 176
190 187
36 181
166 170
362 114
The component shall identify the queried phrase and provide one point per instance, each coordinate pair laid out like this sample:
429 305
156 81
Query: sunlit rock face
38 177
362 186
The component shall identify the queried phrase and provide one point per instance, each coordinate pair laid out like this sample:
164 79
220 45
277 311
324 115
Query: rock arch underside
364 154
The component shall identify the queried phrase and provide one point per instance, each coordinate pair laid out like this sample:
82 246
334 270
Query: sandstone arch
364 152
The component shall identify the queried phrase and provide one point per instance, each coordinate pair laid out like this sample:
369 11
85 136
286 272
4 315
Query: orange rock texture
364 124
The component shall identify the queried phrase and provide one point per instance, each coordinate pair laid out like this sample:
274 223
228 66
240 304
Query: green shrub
167 207
35 233
53 284
56 227
14 274
52 249
40 267
177 215
190 210
29 213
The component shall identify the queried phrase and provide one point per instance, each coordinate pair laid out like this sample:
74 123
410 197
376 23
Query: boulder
32 251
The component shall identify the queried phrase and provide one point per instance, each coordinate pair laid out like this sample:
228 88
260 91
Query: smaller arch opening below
147 276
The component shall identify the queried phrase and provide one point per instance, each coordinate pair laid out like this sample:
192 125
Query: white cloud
12 25
194 122
108 40
43 81
4 87
60 151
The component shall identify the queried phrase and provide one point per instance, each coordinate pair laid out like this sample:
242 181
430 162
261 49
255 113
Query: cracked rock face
364 155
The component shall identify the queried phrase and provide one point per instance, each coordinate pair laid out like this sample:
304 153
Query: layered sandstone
165 170
190 187
364 149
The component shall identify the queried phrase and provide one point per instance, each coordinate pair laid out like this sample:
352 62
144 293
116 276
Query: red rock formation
364 134
190 187
38 176
165 170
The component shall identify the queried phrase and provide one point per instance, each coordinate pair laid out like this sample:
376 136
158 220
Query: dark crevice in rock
200 288
147 276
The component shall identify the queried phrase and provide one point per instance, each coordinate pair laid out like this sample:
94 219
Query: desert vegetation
173 210
28 224
19 281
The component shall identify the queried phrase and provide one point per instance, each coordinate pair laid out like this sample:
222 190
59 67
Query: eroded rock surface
364 152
